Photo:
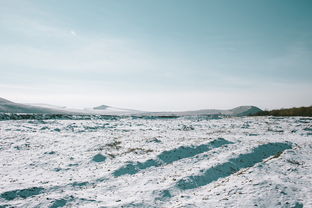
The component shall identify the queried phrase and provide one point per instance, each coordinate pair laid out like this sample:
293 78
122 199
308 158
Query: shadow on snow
233 165
170 156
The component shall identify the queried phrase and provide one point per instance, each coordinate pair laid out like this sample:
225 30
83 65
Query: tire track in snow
170 156
226 169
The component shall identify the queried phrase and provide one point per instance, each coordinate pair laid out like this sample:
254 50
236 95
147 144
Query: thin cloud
73 33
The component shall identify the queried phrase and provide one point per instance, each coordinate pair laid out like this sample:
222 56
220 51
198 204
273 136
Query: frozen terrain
154 162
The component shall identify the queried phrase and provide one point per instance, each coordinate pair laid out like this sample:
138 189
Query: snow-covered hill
7 106
105 109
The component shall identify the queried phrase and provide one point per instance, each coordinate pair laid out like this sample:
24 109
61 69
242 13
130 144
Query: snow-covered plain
137 162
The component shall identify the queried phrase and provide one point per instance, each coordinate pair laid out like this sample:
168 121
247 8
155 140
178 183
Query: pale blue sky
157 55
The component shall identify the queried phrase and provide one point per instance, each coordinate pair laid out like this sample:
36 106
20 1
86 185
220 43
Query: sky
157 55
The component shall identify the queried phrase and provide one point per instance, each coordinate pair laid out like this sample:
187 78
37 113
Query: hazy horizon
157 55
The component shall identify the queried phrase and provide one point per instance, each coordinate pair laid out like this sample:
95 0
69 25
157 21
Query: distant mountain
102 109
239 111
7 106
245 110
4 101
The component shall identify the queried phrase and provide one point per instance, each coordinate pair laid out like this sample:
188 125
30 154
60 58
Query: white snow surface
51 163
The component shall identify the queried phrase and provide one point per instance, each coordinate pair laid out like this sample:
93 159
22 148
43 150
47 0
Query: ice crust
177 162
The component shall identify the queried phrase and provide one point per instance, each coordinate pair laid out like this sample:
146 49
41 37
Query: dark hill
301 111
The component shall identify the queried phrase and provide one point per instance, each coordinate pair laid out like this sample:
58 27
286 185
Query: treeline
301 111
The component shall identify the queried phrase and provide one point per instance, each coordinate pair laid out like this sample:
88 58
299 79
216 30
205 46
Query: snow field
50 163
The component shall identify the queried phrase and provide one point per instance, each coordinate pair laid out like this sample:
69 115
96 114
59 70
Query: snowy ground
230 162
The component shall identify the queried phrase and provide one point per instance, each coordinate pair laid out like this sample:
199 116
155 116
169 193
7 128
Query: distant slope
245 111
106 109
7 106
301 111
239 111
101 107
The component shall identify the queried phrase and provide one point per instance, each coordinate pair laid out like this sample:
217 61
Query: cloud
41 43
53 48
102 55
73 33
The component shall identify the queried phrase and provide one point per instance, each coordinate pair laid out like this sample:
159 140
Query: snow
137 162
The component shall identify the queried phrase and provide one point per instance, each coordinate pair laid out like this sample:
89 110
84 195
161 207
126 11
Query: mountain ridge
7 106
238 111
